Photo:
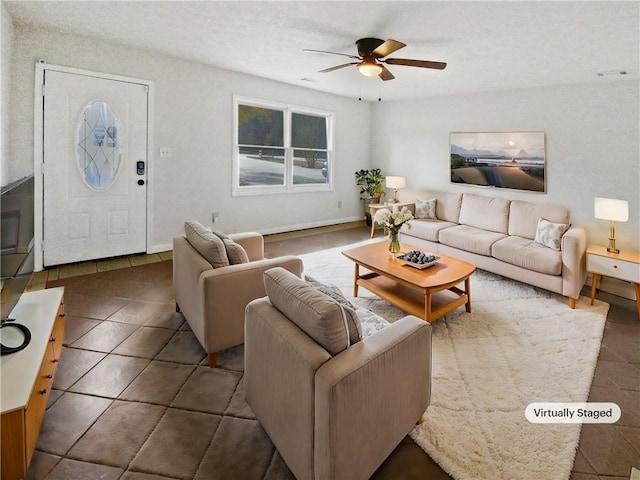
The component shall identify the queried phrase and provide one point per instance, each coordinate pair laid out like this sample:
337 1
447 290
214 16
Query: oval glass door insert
98 146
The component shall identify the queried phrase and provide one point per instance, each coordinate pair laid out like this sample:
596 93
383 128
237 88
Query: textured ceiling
487 45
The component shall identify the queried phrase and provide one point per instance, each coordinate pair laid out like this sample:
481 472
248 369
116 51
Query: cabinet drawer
34 412
615 268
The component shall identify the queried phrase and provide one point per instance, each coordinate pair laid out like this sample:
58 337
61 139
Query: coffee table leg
427 307
467 288
355 280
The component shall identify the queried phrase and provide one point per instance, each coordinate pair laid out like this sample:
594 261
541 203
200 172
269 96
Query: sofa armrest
252 242
227 291
188 266
574 269
376 389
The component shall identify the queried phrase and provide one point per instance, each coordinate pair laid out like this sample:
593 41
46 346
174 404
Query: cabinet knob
43 391
55 360
615 266
49 376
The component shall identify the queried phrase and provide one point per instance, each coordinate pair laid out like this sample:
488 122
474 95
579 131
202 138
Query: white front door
94 168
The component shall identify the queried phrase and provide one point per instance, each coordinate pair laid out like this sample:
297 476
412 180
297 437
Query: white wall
593 145
6 46
193 116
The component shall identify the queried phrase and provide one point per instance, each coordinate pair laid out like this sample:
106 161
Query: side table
374 207
622 266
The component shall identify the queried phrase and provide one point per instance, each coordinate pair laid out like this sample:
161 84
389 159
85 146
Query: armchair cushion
353 320
209 245
235 252
320 317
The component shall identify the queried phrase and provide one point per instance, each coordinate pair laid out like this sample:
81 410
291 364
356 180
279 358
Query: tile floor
133 398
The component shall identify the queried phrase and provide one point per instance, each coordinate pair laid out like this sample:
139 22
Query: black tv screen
513 160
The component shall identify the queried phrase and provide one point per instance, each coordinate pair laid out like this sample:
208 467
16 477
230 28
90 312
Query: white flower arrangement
393 221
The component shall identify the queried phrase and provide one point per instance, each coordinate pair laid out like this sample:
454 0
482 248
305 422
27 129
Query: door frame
38 149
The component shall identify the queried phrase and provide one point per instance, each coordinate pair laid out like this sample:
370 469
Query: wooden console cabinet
27 377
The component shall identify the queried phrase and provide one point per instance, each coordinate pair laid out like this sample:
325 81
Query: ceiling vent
613 73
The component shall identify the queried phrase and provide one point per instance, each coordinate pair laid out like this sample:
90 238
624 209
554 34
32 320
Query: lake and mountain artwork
499 159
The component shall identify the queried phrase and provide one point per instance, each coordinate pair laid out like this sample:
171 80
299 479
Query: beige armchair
334 408
213 300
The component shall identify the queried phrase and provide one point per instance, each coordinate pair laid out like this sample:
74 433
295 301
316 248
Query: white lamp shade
396 182
611 209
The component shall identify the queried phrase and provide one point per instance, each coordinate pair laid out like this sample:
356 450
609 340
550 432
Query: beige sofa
213 299
334 406
499 235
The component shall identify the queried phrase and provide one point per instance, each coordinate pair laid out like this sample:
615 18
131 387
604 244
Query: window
280 148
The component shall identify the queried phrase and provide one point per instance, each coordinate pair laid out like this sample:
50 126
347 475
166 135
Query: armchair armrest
574 268
252 242
383 380
227 291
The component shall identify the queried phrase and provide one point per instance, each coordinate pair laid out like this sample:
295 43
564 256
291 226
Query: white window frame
288 186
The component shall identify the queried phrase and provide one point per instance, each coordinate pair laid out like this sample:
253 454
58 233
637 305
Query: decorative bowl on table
418 259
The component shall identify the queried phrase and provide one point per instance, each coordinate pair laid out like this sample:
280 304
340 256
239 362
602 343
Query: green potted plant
371 183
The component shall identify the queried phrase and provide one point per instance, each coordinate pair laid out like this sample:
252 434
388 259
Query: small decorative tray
432 259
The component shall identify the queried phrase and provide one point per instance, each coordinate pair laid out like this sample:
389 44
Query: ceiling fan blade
385 74
387 48
338 67
330 53
415 63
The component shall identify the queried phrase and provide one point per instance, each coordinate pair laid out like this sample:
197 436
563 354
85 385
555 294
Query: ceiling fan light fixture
369 68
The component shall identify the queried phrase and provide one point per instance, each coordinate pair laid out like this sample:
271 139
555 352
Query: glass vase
394 242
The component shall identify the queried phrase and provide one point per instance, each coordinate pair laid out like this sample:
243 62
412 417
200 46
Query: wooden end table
374 207
622 266
429 293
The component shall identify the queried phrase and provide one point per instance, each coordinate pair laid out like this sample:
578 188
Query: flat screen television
16 232
514 160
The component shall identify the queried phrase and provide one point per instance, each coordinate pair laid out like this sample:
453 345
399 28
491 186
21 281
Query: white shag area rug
519 344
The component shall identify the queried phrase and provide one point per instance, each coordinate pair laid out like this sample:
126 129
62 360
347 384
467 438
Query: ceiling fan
370 58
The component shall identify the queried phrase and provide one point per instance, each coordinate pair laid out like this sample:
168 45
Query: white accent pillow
426 208
550 234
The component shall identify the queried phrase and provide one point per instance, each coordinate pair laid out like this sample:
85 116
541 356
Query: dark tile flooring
133 398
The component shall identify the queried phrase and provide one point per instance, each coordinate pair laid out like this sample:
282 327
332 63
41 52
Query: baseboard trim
304 226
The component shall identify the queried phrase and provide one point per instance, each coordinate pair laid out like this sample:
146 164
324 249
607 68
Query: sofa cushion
523 217
320 317
235 252
471 239
426 229
485 212
354 323
550 234
426 208
528 254
207 244
447 204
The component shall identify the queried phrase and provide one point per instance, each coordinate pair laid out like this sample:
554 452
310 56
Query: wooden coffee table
429 293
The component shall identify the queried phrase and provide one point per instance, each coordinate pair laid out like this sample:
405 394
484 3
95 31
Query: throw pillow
206 243
426 209
550 234
320 317
235 252
218 233
353 321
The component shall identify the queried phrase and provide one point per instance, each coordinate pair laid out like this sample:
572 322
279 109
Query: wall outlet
165 152
214 216
339 203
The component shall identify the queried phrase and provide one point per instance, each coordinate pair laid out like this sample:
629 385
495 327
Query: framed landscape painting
515 160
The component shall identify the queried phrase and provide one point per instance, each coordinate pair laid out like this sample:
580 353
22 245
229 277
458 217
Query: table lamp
612 210
395 183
